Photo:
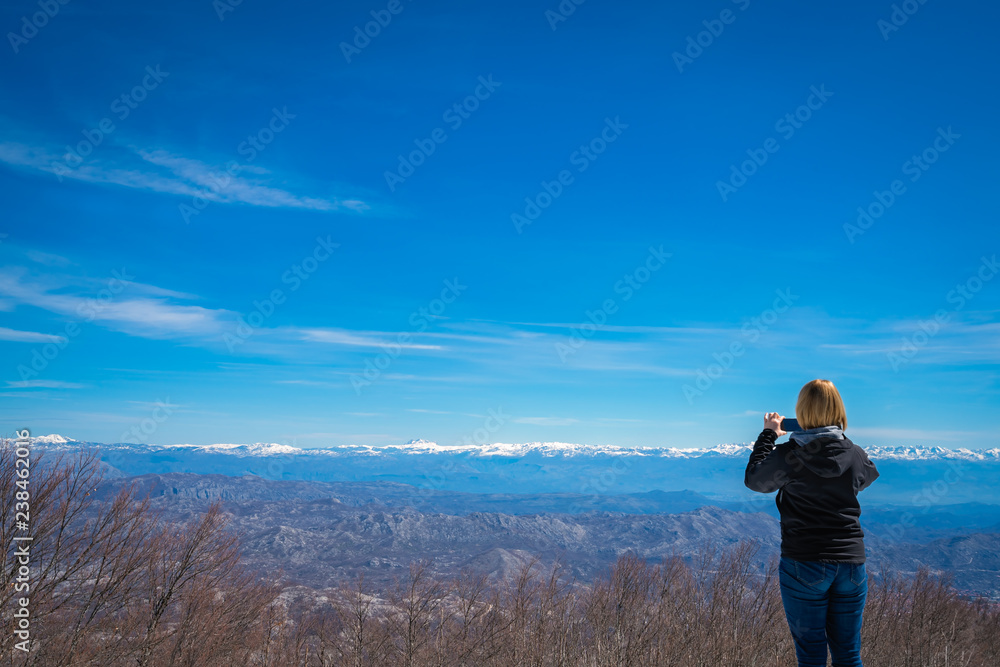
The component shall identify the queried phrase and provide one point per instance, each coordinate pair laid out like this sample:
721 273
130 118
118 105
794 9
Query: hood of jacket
826 455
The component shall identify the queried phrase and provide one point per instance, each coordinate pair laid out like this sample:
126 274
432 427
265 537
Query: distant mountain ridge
909 475
320 530
419 446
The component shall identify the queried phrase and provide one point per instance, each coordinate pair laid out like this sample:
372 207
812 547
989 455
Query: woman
818 474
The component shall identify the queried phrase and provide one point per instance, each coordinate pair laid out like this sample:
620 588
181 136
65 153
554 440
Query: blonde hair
820 404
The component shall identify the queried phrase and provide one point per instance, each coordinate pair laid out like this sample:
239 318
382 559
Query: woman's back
818 474
820 513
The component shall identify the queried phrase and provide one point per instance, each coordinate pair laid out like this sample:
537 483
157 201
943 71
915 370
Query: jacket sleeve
868 470
767 470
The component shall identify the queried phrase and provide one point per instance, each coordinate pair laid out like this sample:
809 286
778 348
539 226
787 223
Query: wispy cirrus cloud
354 338
47 258
142 314
546 421
475 351
43 384
611 328
149 311
309 383
972 337
168 173
27 336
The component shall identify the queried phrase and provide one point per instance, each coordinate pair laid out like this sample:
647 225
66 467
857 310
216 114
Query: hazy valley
323 517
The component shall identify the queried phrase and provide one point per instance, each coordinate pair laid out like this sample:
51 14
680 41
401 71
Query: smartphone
788 425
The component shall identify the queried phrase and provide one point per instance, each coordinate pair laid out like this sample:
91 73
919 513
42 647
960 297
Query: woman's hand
772 420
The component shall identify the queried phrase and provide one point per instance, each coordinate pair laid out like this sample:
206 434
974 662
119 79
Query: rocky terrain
321 534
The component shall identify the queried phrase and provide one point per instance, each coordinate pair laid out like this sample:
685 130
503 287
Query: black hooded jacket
818 485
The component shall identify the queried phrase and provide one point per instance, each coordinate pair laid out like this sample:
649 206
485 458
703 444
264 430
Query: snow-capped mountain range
910 475
564 449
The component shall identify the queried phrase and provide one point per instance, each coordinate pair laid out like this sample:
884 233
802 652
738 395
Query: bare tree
362 637
112 584
415 602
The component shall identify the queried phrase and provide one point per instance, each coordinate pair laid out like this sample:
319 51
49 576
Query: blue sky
625 225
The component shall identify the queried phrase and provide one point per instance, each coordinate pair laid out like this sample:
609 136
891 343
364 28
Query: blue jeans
823 605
